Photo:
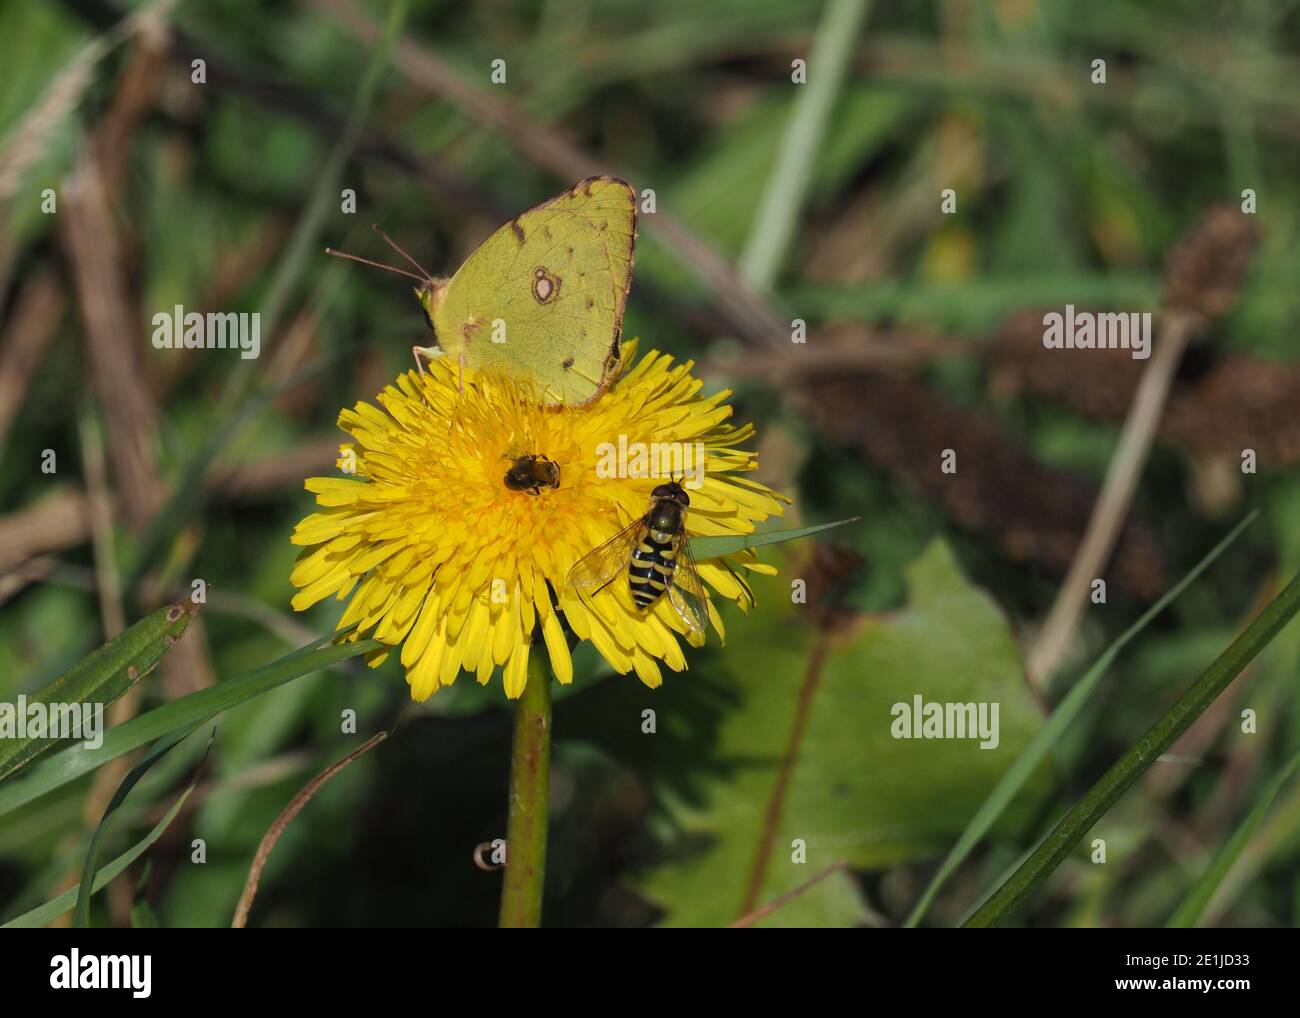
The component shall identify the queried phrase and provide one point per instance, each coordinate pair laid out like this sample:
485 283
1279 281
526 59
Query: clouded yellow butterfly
543 297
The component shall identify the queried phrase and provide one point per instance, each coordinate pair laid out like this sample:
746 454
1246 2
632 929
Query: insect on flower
531 473
442 561
654 553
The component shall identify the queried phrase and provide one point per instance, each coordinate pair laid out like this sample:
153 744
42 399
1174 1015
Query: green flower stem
1116 781
530 798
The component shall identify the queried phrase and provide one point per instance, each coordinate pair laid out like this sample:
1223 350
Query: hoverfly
531 473
655 556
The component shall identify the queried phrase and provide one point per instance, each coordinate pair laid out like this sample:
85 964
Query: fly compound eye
673 491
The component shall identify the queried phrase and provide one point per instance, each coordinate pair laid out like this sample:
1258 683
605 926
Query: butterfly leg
428 352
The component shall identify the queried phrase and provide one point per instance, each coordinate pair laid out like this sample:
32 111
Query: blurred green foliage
1068 192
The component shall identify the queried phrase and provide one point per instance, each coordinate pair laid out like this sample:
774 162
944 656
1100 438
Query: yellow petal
558 648
516 672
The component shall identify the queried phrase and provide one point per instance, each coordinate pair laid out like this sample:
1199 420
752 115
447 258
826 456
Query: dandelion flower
439 556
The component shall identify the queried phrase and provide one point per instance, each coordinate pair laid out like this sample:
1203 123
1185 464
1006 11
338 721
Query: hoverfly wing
686 593
597 569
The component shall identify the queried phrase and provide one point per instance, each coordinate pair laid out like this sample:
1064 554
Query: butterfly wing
543 297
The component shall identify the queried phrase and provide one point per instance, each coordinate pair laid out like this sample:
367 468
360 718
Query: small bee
530 473
654 554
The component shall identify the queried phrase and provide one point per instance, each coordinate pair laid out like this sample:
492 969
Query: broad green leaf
854 792
895 799
88 869
1202 892
715 547
1066 711
99 678
187 711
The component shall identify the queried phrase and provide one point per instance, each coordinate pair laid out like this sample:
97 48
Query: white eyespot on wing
546 285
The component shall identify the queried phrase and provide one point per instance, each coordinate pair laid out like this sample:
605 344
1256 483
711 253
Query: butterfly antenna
393 244
376 265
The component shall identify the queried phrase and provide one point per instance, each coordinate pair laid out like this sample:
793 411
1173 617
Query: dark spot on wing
568 363
519 230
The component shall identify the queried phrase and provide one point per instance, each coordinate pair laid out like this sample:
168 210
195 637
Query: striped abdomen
651 569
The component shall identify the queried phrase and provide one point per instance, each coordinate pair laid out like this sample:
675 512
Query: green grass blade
1198 898
51 910
190 710
1066 711
101 677
325 192
142 916
185 495
715 547
787 187
1119 778
88 870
